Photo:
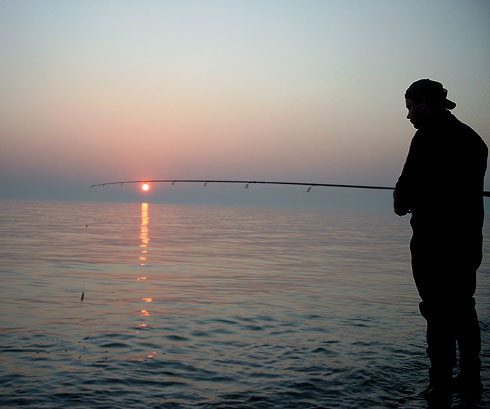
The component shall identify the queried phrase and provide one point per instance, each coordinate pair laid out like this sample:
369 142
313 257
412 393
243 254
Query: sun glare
145 187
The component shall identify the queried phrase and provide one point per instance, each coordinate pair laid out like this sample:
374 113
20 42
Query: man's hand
400 208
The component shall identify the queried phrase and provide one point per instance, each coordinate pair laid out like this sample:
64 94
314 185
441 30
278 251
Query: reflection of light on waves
145 220
145 240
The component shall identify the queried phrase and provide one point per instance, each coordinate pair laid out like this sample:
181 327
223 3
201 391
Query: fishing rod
252 182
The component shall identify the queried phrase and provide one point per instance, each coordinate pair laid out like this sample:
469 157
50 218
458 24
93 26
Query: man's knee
447 308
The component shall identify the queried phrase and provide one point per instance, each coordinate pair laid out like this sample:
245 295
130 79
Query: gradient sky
97 91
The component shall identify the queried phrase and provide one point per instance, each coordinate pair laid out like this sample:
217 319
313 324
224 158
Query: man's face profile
415 112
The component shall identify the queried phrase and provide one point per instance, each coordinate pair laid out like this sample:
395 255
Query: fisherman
441 185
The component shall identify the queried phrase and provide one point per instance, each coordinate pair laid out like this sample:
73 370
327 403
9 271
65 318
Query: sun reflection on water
142 259
145 220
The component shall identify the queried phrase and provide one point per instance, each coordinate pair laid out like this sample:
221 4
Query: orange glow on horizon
145 187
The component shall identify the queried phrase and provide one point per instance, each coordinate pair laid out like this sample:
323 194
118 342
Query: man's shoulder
467 134
461 126
472 137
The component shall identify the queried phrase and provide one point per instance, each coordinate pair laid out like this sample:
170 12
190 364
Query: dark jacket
442 185
442 179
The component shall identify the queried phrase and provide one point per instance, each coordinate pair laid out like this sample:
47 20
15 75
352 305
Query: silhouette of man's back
441 185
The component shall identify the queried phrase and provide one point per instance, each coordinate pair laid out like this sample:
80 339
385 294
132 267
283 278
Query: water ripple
188 307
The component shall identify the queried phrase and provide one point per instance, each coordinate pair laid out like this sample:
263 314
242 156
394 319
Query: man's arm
401 208
403 194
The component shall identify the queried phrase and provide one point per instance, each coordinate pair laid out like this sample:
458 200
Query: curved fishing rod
251 182
243 182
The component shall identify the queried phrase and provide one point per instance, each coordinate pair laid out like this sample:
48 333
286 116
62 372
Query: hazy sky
96 91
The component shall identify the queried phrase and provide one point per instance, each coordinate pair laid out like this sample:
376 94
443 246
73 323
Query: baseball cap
430 89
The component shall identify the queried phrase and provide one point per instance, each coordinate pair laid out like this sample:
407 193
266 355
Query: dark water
207 307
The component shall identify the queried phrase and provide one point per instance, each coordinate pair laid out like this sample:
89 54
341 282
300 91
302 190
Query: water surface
211 307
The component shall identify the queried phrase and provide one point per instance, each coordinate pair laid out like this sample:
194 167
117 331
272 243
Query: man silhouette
441 185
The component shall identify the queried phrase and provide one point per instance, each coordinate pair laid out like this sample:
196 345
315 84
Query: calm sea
211 307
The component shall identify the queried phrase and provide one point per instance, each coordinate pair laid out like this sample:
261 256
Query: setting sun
145 187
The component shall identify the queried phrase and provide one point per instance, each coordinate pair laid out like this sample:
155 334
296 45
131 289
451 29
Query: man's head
424 98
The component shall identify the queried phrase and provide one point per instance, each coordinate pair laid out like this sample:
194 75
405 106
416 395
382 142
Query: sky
96 91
